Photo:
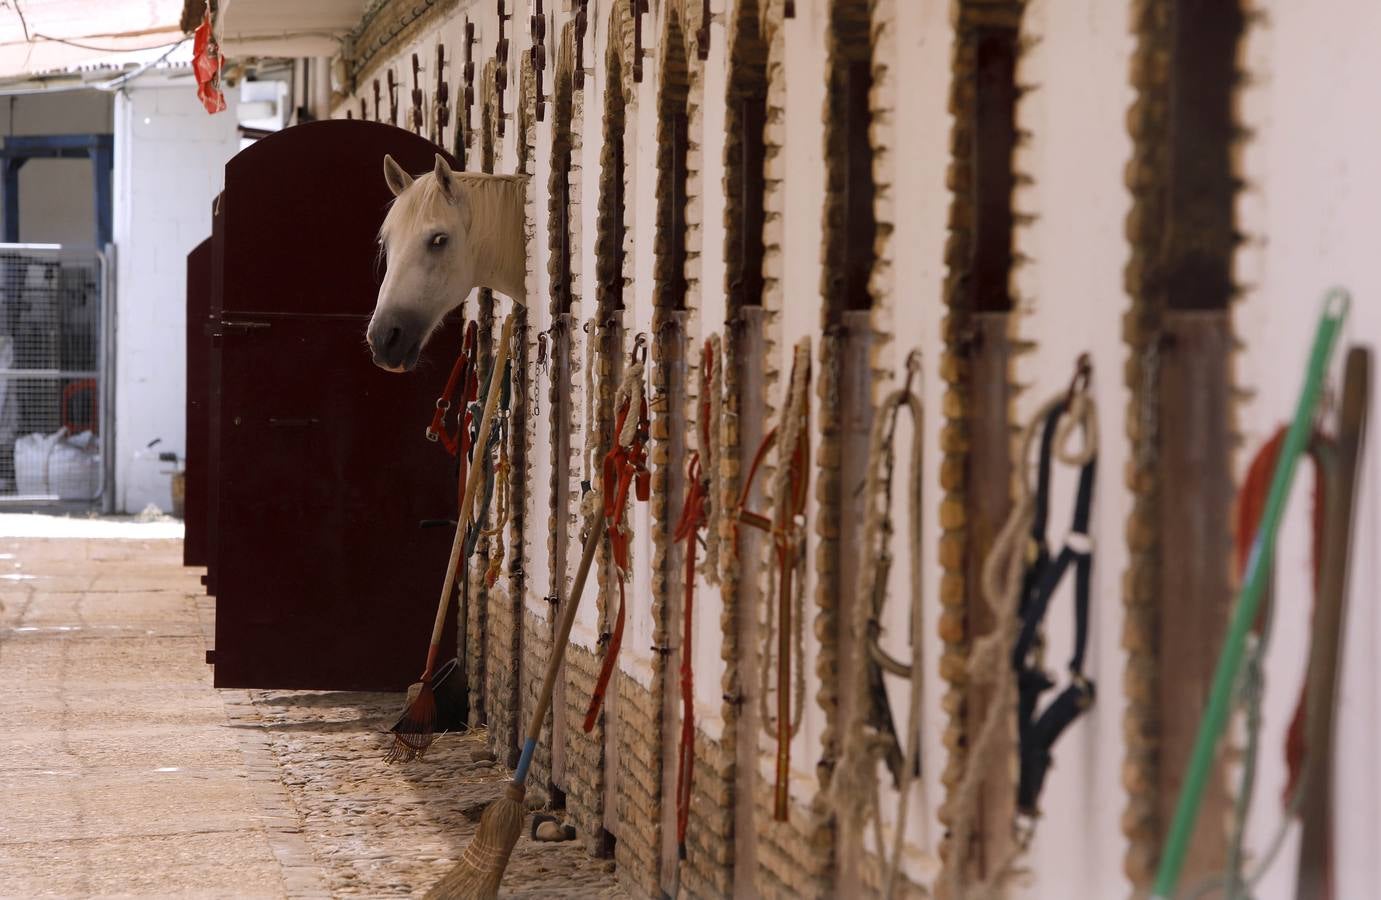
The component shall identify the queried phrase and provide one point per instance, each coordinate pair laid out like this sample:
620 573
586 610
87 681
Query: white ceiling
279 28
104 29
116 33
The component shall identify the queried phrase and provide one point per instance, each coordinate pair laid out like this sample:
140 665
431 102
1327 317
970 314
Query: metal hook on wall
540 369
1083 371
913 370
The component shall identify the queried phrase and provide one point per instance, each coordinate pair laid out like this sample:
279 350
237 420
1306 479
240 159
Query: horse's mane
424 201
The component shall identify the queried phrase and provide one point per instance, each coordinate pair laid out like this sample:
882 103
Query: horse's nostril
392 340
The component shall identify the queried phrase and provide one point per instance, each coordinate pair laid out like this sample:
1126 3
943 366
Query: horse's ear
398 180
443 178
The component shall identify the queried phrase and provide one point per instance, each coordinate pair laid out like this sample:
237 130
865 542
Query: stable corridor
124 772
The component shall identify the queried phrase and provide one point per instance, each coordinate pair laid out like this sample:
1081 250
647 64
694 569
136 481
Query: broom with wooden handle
415 730
481 868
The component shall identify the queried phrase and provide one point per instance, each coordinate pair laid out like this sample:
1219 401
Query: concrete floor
123 772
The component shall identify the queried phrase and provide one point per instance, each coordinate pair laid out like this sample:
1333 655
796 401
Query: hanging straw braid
854 785
794 421
496 547
989 663
591 499
709 455
591 433
633 391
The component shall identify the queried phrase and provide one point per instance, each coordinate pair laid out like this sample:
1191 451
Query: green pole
1248 599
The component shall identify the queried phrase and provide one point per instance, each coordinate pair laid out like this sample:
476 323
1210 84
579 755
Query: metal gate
52 375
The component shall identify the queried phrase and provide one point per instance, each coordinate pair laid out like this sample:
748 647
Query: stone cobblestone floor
124 772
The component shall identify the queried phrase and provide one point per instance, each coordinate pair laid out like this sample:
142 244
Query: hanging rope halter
1037 733
1013 580
625 467
497 481
788 578
591 437
871 733
498 439
694 518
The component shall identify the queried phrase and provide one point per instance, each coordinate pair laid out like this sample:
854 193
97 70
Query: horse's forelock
422 201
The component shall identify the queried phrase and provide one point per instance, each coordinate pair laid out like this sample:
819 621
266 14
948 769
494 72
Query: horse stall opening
324 577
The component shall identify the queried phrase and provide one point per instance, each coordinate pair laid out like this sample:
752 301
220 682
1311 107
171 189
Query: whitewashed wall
1311 214
169 166
1069 298
914 165
1311 210
707 153
802 213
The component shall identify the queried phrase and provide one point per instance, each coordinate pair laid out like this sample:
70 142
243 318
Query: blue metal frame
17 150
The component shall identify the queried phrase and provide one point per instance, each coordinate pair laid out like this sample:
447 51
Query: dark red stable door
324 578
195 511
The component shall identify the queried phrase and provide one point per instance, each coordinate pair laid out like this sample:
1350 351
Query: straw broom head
415 731
481 868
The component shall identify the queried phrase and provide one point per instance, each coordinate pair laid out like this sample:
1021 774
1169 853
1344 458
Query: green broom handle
1248 599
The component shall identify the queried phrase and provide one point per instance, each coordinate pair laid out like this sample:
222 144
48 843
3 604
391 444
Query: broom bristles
481 867
415 730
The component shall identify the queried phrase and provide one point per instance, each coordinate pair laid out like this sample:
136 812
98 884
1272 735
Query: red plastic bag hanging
207 63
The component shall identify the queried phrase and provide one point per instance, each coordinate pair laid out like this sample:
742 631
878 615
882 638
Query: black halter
1037 733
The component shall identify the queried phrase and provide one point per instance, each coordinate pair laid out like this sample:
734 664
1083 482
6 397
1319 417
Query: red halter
624 467
694 515
464 374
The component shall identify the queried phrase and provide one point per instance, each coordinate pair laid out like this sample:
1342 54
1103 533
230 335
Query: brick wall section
783 866
565 398
1144 333
584 752
639 778
537 645
708 868
642 719
524 664
957 593
1146 121
478 636
794 857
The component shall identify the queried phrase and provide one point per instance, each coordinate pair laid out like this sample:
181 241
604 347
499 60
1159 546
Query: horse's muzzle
395 339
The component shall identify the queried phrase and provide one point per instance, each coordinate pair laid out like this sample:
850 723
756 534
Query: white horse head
445 234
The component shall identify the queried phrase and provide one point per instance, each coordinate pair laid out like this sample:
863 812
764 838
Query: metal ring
1083 371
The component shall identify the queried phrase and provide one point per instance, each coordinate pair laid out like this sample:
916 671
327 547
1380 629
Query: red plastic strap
465 374
687 528
786 567
624 468
693 519
207 63
1251 503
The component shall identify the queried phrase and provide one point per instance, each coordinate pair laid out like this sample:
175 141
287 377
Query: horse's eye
439 239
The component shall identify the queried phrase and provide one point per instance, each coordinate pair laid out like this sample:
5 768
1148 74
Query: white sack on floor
74 467
31 454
